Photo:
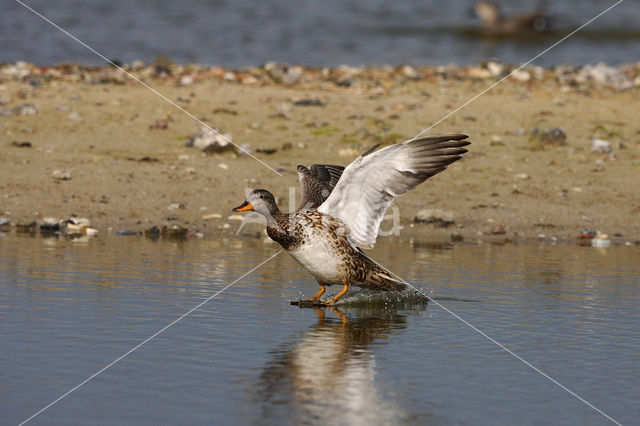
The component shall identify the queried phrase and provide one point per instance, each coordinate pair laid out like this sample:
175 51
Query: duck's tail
381 279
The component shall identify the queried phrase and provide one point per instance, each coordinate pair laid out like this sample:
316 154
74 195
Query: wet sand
124 147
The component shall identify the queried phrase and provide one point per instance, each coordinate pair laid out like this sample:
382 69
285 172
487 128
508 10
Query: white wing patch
371 182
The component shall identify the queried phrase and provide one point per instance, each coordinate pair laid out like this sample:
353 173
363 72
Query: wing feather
316 183
370 183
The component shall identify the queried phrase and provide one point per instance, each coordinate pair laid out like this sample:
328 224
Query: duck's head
261 201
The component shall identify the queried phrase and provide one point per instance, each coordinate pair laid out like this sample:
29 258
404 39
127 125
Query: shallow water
317 33
247 356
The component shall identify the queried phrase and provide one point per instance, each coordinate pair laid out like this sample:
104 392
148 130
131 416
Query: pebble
176 206
601 241
541 138
244 150
23 144
91 232
521 75
436 216
74 116
410 72
522 176
61 175
600 146
25 109
223 166
186 80
236 217
5 225
211 142
212 216
604 75
283 73
498 230
26 227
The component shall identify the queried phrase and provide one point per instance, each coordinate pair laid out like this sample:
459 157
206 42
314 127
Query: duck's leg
315 300
335 298
318 295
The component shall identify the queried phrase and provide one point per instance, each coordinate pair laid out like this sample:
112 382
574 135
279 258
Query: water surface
247 356
317 33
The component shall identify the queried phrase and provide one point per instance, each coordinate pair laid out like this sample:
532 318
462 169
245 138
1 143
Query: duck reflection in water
329 373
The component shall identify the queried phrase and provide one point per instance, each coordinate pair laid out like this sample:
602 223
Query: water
247 356
317 33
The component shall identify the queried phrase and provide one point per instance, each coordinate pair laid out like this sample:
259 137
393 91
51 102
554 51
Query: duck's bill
244 207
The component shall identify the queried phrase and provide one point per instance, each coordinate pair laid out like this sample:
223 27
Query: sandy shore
92 143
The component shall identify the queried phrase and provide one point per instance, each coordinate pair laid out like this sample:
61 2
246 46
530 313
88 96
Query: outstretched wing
316 183
370 183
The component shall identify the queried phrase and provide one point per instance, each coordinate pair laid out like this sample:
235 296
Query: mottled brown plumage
316 183
325 241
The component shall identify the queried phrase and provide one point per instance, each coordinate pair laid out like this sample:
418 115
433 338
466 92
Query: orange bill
244 207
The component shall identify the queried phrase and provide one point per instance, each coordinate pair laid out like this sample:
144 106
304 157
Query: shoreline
89 142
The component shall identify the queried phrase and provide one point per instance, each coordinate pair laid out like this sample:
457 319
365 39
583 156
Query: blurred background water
248 357
238 33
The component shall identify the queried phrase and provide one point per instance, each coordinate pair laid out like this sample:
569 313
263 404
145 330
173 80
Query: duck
493 22
328 240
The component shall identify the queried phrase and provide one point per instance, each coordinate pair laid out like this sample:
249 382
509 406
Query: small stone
176 206
226 226
600 146
438 217
283 73
212 216
25 109
26 227
174 231
457 238
604 75
223 166
236 217
495 68
540 139
601 240
61 175
309 102
244 150
522 176
521 75
74 116
210 141
186 80
410 72
5 225
23 144
498 230
91 232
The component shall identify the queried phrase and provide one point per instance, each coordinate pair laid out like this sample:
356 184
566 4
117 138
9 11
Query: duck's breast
320 252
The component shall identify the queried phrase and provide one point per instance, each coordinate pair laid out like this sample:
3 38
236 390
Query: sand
128 171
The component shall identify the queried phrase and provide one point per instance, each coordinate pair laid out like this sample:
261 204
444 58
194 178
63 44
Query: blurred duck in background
494 23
